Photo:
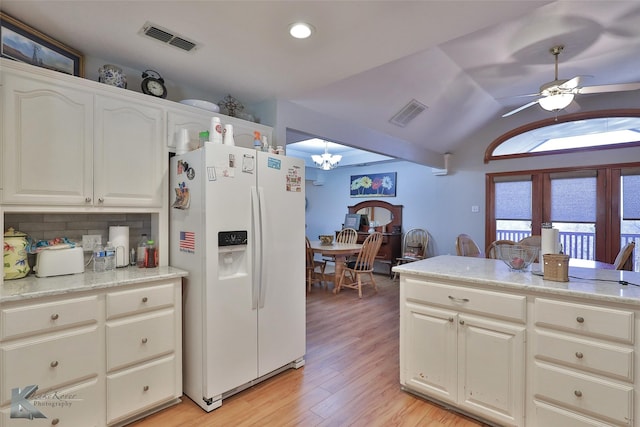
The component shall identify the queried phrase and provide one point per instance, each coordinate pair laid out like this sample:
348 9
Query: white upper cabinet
65 144
48 142
128 153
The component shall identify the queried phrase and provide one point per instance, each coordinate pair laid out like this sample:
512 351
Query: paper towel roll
119 238
549 243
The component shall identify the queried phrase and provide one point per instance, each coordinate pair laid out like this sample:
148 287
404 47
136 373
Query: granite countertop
34 287
602 285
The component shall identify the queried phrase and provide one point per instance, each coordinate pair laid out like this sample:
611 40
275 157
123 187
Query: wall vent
408 113
167 37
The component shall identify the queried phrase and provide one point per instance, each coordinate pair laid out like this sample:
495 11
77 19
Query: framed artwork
373 185
25 44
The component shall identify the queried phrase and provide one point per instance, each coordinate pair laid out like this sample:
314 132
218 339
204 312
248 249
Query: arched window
595 130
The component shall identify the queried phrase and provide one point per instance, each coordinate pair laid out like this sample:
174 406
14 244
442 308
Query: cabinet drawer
585 319
49 362
494 304
137 300
141 338
599 358
547 415
583 393
47 317
75 406
135 390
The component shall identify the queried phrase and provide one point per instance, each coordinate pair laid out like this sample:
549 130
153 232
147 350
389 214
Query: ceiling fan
558 94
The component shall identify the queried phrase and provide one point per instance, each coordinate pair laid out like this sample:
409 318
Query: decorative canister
16 265
112 76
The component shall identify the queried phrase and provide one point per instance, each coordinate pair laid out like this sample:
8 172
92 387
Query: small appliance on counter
59 261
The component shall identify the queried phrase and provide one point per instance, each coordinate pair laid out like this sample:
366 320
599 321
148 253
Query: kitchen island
513 349
101 349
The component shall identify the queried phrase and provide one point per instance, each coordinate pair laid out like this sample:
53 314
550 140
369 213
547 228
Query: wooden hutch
389 219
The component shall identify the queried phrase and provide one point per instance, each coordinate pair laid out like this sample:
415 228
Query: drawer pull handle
144 340
452 298
462 322
579 355
580 319
54 316
54 364
145 299
87 199
451 319
55 421
145 388
100 200
578 393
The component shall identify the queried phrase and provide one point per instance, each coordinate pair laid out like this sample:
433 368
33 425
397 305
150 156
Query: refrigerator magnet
274 163
248 163
191 173
211 173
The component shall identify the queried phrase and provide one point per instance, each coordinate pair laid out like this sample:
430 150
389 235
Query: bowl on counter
517 257
326 239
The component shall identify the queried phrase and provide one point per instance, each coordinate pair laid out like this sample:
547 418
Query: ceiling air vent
408 113
168 37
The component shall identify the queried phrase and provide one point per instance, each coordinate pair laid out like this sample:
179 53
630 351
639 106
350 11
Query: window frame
627 112
607 243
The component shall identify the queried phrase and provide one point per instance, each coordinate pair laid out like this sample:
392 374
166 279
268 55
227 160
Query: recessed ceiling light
300 30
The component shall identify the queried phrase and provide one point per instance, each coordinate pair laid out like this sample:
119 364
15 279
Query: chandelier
326 161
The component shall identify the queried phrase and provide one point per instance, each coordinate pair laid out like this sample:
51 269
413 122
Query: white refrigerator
237 226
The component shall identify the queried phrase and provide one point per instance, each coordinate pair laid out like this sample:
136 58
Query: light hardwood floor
351 376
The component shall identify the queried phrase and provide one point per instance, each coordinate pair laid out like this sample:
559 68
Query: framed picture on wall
25 44
373 185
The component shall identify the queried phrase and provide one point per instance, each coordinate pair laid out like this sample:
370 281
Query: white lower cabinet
583 363
519 358
102 358
457 348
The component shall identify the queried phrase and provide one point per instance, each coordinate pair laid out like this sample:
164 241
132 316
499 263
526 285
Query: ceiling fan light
556 102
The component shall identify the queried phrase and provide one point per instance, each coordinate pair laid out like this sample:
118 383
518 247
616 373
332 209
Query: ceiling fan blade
609 88
571 84
520 108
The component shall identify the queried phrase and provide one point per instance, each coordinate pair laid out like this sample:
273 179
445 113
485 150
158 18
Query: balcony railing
575 244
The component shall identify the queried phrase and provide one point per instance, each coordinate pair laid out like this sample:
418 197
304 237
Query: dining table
340 251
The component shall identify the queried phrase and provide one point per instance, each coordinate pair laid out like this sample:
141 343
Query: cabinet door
491 369
193 122
428 355
47 136
129 147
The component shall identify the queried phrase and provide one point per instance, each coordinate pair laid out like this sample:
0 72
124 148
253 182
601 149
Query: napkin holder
556 267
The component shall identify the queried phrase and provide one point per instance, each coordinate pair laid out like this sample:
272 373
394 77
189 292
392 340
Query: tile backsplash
47 226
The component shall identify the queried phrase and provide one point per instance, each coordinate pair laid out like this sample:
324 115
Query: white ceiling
465 60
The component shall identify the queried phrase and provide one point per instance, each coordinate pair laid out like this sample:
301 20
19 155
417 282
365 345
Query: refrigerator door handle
263 265
256 248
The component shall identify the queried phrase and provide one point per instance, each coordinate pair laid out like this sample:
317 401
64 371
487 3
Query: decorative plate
198 103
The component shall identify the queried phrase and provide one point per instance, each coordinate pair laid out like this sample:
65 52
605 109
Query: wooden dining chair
353 271
414 246
624 259
315 268
492 251
346 235
466 246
